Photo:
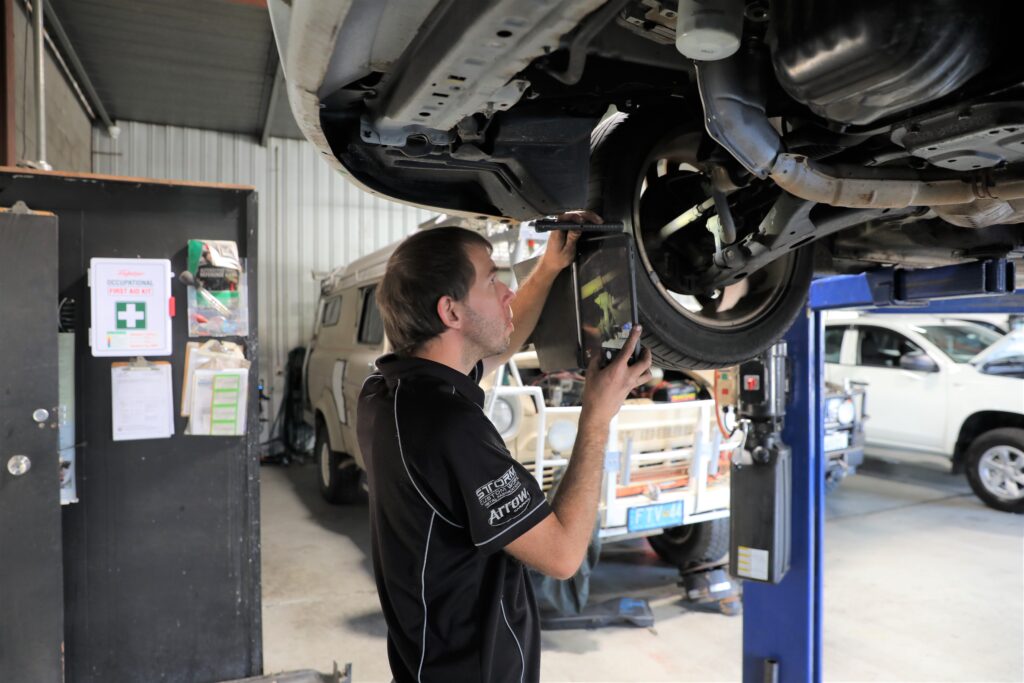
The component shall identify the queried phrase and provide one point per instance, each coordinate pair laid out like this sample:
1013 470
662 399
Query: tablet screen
604 278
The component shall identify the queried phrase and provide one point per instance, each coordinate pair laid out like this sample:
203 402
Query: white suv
931 391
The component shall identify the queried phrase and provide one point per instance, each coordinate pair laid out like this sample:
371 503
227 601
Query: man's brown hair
425 267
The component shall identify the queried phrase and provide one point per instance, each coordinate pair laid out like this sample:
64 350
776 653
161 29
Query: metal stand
782 628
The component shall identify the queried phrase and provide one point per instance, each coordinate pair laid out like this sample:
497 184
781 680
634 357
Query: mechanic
453 516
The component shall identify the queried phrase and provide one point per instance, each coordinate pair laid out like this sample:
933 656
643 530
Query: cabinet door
31 567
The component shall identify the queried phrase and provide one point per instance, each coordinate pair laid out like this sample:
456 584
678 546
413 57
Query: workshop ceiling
198 63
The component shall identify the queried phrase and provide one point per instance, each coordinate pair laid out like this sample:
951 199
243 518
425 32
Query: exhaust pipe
734 115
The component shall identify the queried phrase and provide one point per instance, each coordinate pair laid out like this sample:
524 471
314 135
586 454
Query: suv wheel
692 544
337 473
995 468
644 172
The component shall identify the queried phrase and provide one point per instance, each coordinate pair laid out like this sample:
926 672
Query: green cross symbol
131 315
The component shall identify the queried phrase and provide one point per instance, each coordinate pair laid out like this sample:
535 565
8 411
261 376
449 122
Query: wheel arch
977 424
325 413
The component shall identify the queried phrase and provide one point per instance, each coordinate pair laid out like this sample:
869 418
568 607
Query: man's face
487 306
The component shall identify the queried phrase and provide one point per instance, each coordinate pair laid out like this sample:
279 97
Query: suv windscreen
959 342
882 348
371 325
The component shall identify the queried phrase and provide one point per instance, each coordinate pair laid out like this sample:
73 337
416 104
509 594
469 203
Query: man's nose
509 294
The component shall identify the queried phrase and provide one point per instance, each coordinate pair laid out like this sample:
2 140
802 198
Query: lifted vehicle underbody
869 133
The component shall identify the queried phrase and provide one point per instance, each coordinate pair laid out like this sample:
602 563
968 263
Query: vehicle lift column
782 624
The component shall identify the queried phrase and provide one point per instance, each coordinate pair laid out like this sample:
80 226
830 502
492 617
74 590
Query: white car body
925 411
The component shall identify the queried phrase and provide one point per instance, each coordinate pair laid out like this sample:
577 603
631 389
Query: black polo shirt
445 498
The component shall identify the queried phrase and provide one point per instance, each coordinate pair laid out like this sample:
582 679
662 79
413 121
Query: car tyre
685 546
995 468
337 473
621 146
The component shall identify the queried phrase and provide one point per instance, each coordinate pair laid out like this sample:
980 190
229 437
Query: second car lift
782 625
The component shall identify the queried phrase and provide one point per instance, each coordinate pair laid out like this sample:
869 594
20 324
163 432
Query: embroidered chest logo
506 488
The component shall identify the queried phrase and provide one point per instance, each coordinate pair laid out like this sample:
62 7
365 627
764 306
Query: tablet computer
604 274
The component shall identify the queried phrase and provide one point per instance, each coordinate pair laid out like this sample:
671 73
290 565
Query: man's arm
531 295
557 544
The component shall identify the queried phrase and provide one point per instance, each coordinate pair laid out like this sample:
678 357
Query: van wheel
684 546
995 468
336 473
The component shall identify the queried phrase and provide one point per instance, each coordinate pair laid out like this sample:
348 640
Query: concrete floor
922 583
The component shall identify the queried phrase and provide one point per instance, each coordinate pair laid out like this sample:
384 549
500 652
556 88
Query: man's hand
557 544
561 249
608 387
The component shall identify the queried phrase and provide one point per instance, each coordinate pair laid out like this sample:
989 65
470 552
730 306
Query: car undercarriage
807 137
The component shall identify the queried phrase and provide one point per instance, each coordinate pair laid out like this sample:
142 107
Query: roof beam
78 70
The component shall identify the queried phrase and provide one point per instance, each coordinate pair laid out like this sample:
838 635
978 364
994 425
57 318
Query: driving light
503 416
846 413
561 436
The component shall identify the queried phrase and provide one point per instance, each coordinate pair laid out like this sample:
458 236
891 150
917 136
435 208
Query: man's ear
448 312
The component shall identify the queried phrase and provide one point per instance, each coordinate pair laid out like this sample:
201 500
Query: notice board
161 553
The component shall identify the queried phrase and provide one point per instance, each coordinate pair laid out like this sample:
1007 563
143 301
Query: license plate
837 441
655 516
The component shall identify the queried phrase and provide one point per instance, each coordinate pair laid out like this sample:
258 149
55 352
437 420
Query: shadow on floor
351 520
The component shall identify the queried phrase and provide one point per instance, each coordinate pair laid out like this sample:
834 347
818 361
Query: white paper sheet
141 403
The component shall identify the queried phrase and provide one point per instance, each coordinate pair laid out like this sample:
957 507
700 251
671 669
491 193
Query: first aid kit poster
130 307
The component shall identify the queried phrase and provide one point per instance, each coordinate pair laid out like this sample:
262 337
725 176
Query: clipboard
141 401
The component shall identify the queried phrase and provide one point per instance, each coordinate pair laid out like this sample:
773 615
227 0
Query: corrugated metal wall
310 217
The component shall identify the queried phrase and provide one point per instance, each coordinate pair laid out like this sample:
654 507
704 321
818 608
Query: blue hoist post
782 623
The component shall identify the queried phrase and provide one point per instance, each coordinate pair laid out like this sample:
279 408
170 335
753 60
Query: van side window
332 311
371 326
833 343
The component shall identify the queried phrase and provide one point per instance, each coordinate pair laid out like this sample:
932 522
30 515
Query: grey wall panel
311 219
67 123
